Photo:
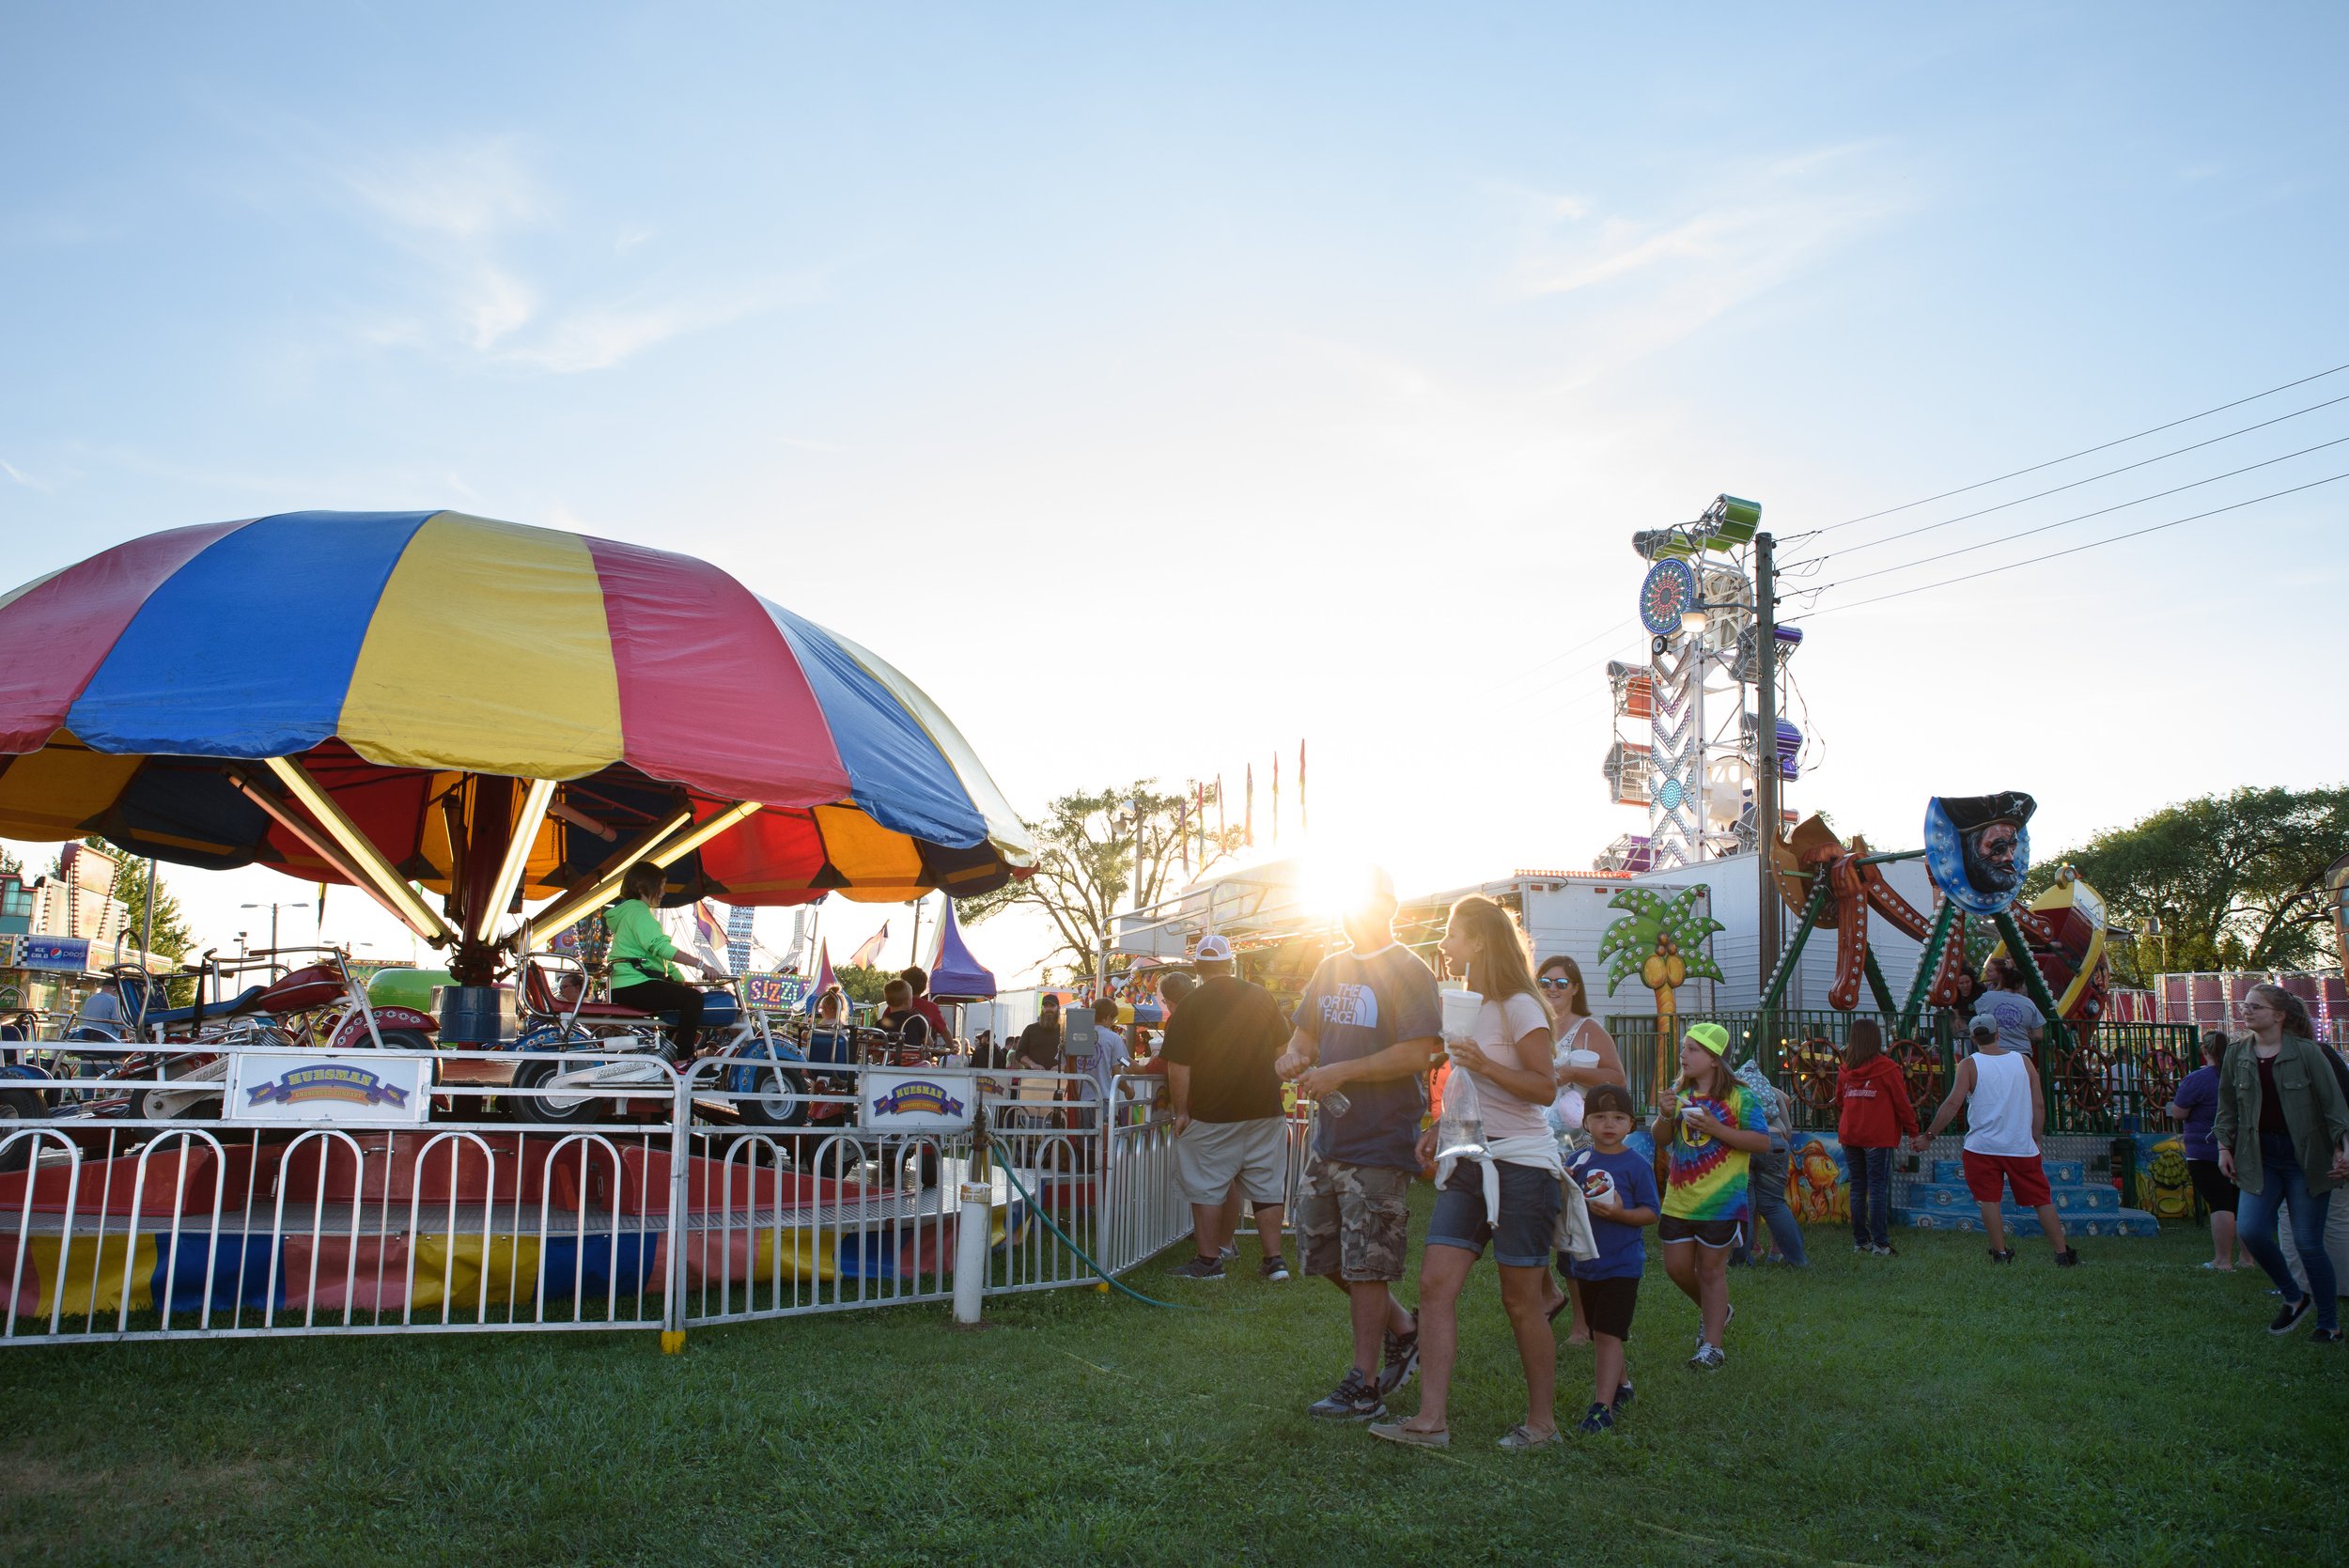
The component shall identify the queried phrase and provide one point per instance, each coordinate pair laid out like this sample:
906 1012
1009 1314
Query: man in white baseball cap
1229 1124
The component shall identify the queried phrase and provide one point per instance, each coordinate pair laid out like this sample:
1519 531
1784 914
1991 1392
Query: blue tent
954 973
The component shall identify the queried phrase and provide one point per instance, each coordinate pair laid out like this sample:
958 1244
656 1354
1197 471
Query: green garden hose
1087 1258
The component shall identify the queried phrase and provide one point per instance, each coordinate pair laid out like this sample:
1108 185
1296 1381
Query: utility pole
1766 807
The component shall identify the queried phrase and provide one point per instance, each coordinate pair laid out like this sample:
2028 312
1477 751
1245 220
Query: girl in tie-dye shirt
1710 1126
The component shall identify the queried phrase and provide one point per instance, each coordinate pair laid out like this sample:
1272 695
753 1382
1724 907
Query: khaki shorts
1210 1156
1354 1220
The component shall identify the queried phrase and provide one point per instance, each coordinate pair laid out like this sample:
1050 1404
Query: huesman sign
376 1089
932 1099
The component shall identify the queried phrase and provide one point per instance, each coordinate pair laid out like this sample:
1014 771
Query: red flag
864 958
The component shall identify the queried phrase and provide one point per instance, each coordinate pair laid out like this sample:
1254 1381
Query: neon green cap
1712 1036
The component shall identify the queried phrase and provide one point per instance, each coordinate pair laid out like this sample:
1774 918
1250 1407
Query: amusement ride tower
1690 723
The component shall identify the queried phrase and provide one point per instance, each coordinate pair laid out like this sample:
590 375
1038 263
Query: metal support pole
970 1236
681 1147
1765 791
972 1231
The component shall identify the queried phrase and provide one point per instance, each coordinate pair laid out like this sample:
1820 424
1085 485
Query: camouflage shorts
1354 1220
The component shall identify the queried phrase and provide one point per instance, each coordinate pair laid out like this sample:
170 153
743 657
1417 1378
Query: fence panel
143 1206
574 1191
2103 1080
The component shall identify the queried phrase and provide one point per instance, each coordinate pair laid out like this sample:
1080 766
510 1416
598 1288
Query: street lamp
273 909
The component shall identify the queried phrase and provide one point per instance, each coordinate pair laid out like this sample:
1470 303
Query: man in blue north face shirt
1366 1030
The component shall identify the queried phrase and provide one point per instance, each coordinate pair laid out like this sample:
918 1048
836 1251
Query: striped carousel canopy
397 659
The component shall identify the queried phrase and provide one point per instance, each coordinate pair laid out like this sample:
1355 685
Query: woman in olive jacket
2282 1131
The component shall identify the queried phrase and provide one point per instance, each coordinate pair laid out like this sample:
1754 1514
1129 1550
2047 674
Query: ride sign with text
929 1099
371 1089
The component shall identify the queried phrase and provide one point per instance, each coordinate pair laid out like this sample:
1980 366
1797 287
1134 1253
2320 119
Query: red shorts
1987 1176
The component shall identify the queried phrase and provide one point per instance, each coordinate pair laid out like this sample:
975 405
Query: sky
1162 387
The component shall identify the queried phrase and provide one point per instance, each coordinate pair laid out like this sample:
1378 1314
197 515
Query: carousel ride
480 726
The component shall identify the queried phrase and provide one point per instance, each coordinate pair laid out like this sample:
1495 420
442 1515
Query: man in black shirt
1229 1124
1040 1043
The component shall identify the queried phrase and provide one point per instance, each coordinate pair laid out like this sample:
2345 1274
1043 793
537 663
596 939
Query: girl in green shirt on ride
644 962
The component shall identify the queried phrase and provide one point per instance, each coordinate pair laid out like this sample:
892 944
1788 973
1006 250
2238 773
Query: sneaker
1727 1318
1521 1436
1884 1251
1275 1267
1354 1400
1624 1396
1230 1250
1200 1269
2326 1336
2068 1258
1709 1357
1597 1418
1400 1360
2002 1254
2289 1315
1412 1437
1861 1248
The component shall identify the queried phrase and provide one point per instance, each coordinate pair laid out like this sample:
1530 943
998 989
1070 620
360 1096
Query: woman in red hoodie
1876 1113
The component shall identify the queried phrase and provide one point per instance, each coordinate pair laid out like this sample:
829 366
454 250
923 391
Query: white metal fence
134 1203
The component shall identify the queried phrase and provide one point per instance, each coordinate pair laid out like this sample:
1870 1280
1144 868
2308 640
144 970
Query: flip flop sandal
1518 1438
1395 1432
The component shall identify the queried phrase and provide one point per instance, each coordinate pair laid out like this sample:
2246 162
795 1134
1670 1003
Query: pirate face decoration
1978 848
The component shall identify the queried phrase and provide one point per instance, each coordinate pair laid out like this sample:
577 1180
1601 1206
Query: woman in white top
1502 1187
1560 981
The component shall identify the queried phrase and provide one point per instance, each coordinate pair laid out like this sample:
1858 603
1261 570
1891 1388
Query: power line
2083 452
1578 648
2058 554
2045 527
2158 456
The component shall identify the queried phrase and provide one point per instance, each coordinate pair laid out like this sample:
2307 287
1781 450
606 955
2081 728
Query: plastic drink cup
1582 1059
1459 1013
1334 1102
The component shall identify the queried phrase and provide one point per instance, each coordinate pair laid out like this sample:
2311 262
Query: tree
1094 849
2237 880
172 937
862 982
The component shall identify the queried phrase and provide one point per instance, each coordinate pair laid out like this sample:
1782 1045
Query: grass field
1923 1409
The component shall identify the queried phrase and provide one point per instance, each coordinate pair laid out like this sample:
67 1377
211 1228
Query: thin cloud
468 191
464 213
23 478
1658 279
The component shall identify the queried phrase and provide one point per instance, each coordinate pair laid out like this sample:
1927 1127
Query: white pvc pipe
970 1251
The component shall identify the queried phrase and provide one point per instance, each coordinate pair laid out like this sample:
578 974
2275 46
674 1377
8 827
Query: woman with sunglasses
2282 1131
1560 981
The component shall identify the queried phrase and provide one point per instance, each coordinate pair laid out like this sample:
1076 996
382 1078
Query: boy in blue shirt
1621 1188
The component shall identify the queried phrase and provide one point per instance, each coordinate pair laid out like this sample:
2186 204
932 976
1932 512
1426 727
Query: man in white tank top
2005 1115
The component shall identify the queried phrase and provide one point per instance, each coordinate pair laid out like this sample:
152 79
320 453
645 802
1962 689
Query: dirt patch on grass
30 1478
